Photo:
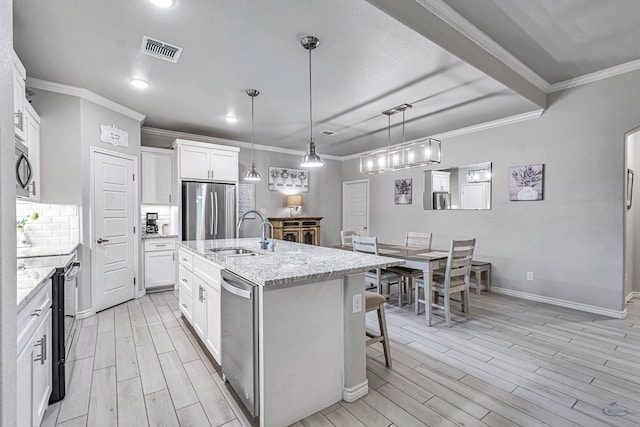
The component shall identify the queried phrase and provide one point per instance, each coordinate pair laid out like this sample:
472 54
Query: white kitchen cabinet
32 124
159 263
19 98
34 369
440 181
157 176
207 162
199 297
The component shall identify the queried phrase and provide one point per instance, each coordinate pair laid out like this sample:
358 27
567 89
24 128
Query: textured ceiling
367 62
559 39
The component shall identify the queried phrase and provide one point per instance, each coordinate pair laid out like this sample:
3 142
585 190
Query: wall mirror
462 187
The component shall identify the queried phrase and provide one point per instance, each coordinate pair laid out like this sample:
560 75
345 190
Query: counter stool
375 301
477 268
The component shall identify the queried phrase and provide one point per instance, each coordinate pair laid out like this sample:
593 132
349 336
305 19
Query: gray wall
572 240
7 225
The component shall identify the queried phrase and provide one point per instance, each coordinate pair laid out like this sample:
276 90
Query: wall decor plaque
112 134
284 179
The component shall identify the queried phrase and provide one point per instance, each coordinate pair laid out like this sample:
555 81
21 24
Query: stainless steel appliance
441 200
239 302
24 173
152 223
208 211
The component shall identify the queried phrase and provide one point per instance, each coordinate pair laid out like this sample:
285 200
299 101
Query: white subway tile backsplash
57 224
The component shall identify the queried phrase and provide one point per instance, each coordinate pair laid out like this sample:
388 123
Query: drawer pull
184 280
160 246
42 342
36 312
184 305
185 260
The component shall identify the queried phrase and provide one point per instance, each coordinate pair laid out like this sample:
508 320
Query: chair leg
416 298
447 307
488 279
463 297
409 289
466 304
383 331
478 280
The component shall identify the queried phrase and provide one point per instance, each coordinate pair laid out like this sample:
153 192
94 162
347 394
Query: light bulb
369 164
139 83
411 156
231 119
163 3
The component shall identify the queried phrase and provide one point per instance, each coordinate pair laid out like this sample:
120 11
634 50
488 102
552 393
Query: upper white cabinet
32 124
206 162
19 97
157 176
440 181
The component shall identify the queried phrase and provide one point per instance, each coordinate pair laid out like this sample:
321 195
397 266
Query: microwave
24 172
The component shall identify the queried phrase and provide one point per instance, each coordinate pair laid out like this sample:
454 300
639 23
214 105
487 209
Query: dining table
417 258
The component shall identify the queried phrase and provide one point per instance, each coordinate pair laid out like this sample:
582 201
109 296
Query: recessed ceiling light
163 3
139 83
231 119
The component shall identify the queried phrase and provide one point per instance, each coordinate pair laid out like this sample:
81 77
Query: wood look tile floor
515 362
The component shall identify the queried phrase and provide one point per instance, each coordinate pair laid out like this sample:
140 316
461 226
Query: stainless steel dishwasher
240 338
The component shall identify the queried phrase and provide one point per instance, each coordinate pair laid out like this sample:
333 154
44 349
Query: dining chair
374 301
455 279
379 276
346 236
412 239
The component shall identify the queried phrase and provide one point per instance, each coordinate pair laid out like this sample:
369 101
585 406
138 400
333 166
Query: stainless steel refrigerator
208 211
441 200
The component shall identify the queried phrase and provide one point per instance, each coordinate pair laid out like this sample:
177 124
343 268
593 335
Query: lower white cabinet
199 296
34 369
159 263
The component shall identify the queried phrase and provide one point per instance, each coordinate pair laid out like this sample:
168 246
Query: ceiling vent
159 49
329 132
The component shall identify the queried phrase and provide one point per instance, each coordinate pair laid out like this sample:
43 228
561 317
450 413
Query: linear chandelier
421 152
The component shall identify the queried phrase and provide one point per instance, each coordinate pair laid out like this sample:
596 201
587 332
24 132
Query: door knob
101 240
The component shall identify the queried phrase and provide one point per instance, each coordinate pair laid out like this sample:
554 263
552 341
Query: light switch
357 303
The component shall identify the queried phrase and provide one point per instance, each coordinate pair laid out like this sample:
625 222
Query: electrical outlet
529 275
357 303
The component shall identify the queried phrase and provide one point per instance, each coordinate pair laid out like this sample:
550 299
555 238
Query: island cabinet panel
199 296
298 230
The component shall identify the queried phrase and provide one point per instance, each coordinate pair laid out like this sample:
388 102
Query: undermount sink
233 251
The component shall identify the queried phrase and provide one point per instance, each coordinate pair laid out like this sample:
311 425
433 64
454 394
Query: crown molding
84 94
466 28
214 140
466 130
596 76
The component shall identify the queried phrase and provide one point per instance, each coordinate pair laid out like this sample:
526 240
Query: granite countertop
34 273
146 236
53 250
290 263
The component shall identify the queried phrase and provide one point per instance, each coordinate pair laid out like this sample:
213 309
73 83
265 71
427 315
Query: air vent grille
160 49
329 132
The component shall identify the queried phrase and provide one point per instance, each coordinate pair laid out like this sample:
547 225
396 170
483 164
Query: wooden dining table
427 260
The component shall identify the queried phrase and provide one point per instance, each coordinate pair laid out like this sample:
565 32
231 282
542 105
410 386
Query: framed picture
526 182
403 191
629 188
246 199
284 179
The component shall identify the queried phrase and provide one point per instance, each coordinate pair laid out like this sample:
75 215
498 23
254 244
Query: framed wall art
526 182
403 191
284 179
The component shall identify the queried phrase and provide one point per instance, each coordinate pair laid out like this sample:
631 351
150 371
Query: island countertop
289 263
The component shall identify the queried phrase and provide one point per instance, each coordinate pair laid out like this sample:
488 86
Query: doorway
632 215
114 241
355 206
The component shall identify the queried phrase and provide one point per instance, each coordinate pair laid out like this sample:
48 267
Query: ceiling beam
423 19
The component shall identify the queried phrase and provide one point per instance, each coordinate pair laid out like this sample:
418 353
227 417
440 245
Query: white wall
7 224
573 239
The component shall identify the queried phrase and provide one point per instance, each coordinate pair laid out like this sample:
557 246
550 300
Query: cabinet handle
184 280
157 245
169 198
185 260
44 348
33 188
42 342
36 312
184 305
173 256
19 120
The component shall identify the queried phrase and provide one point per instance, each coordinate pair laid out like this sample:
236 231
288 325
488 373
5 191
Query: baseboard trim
631 296
141 294
354 393
85 314
562 303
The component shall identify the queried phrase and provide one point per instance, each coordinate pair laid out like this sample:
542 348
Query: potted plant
20 235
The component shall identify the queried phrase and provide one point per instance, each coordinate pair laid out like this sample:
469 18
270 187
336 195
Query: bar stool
375 301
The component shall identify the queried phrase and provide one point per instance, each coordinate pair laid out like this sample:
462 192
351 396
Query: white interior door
113 272
472 196
355 206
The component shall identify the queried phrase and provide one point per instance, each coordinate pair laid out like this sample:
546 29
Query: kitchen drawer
30 316
186 258
207 271
159 245
185 278
186 304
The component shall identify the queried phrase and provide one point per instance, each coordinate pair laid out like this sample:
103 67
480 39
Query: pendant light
311 159
252 174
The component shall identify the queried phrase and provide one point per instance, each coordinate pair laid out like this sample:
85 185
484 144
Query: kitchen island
310 320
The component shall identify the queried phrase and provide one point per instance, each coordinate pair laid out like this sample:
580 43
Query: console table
300 230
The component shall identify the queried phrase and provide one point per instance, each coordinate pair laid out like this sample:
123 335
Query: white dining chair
412 239
418 239
455 279
379 276
346 236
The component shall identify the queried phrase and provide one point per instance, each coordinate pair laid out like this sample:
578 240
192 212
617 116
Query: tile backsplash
166 215
57 224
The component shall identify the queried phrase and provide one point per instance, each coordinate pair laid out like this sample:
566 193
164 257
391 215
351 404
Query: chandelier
421 152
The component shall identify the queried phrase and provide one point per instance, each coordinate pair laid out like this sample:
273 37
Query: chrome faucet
273 241
264 228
